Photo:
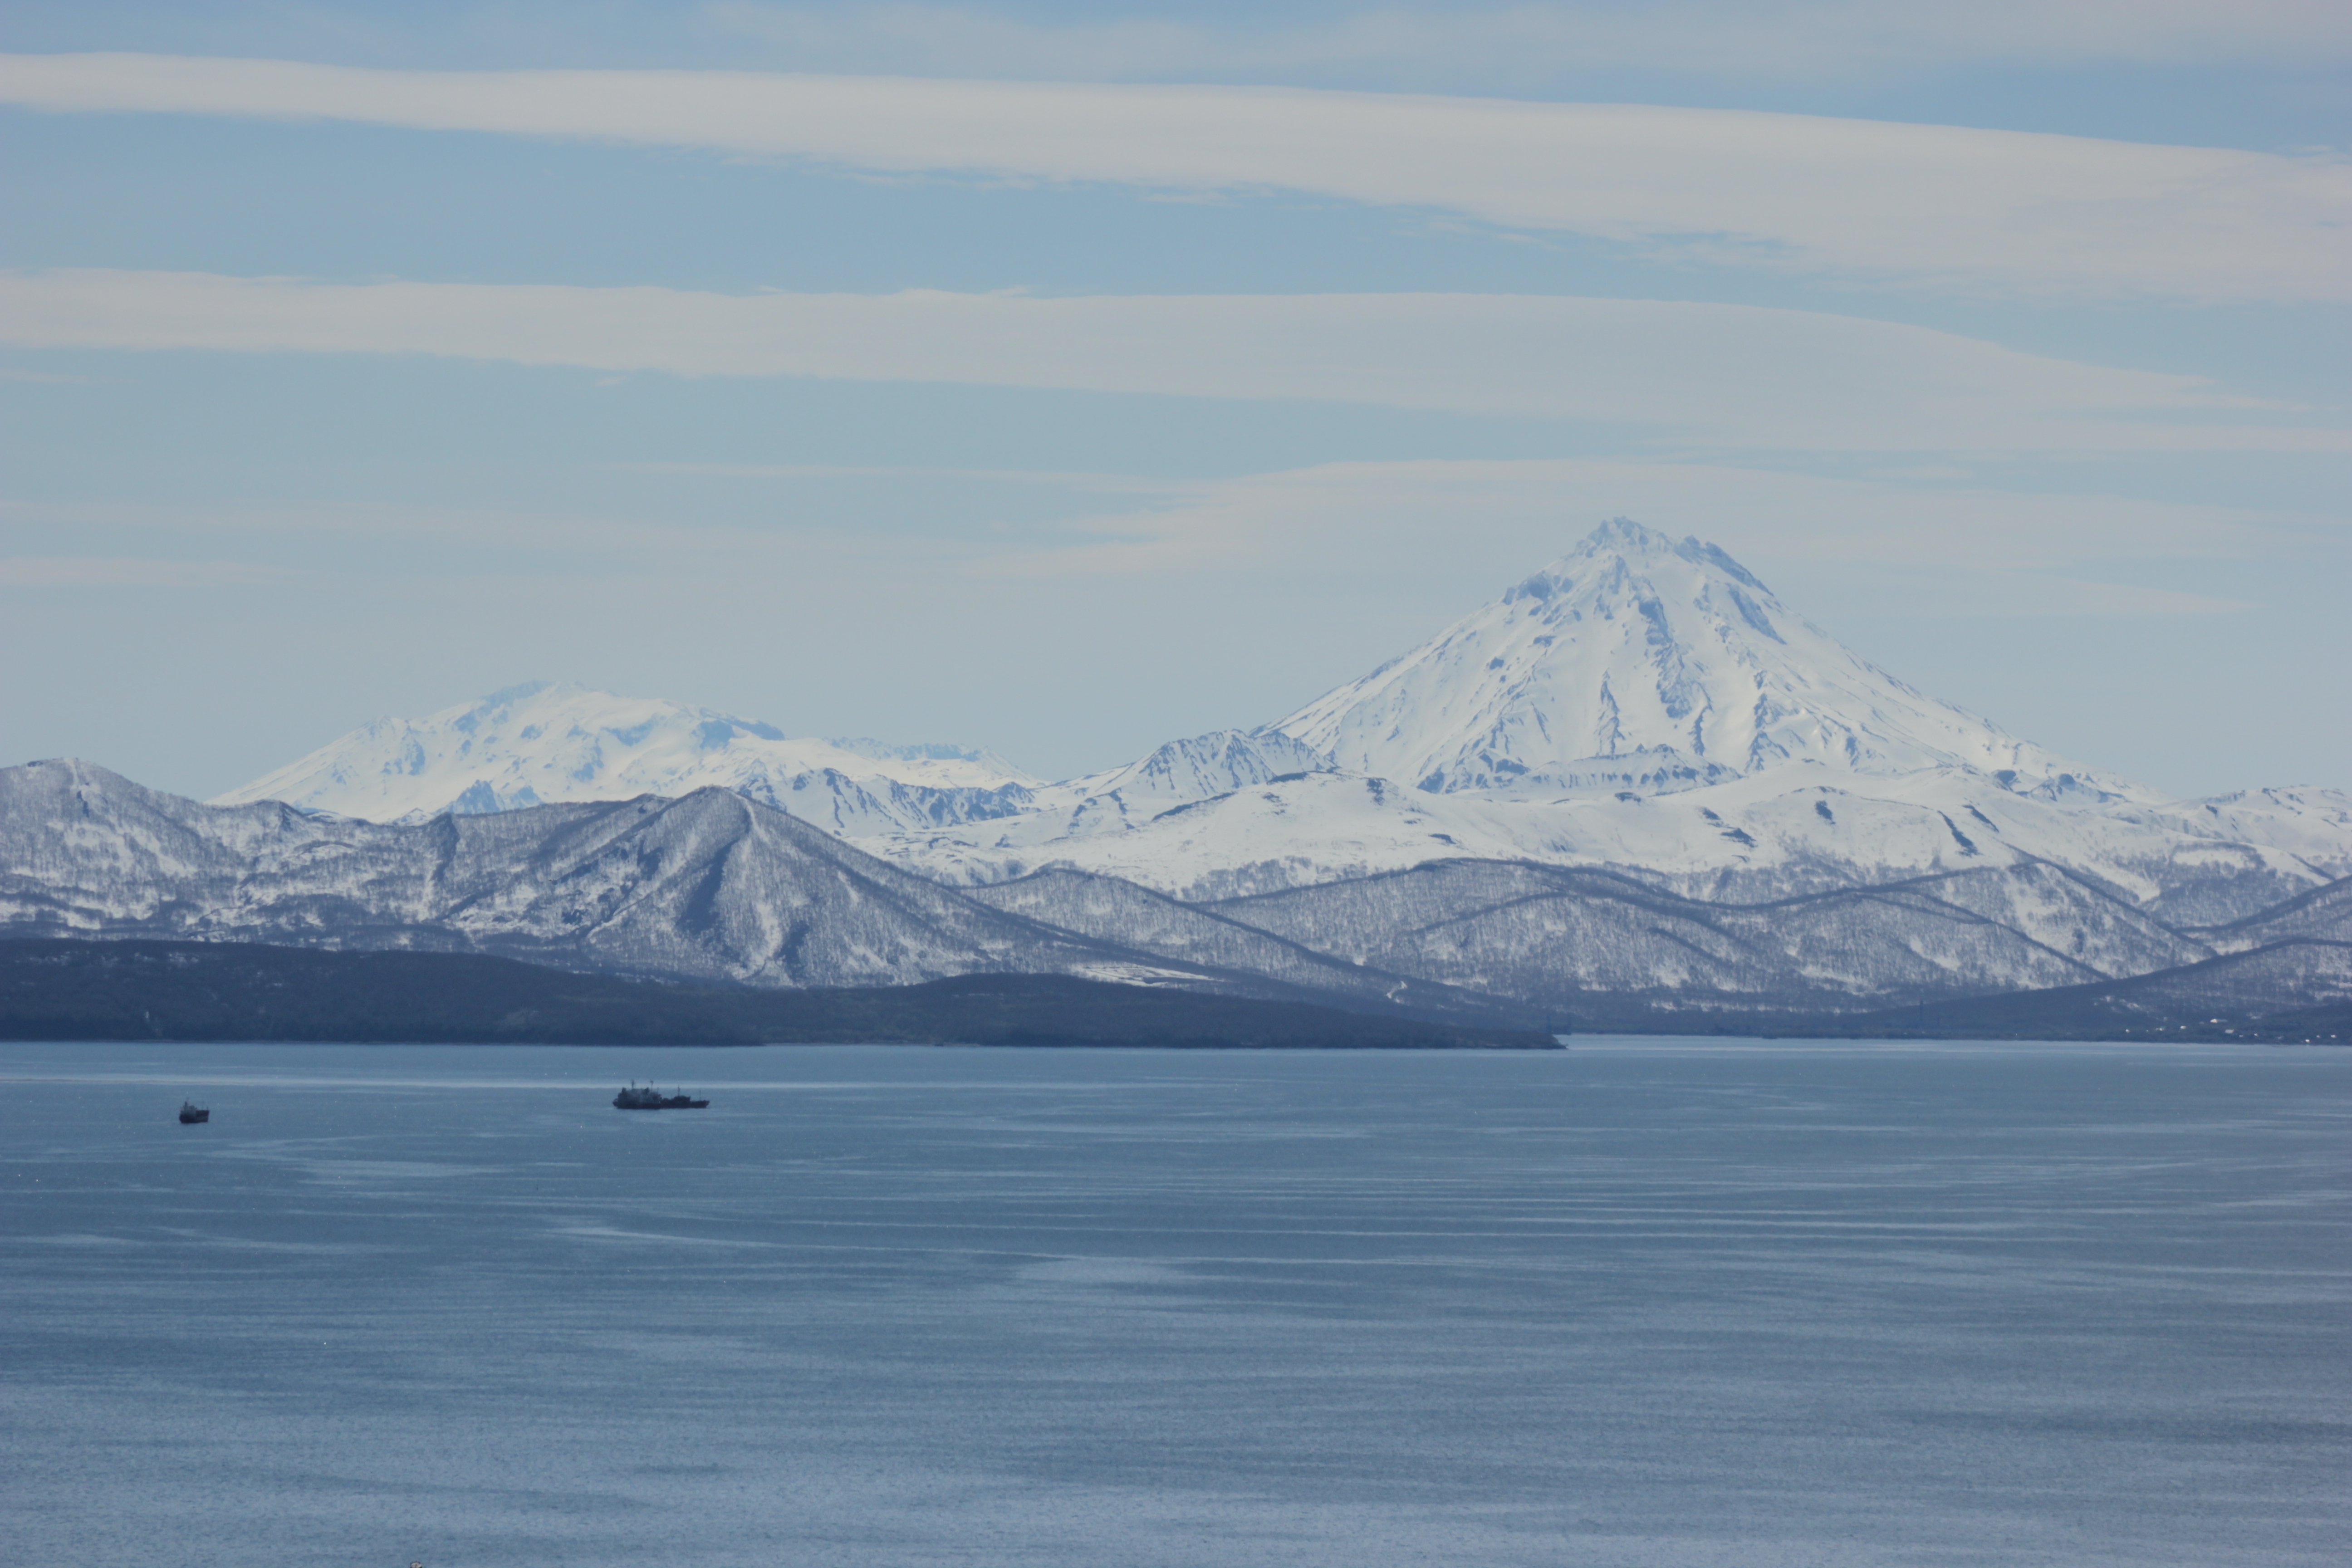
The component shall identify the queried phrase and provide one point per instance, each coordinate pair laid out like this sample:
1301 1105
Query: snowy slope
1649 705
1563 938
1779 834
1108 910
2310 827
2324 914
709 887
1634 662
535 745
1194 769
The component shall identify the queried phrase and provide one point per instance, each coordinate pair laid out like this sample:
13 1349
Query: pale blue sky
330 395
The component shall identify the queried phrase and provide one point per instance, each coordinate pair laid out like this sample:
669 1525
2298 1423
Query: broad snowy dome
544 743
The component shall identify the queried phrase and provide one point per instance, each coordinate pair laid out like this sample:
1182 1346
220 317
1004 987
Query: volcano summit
1636 662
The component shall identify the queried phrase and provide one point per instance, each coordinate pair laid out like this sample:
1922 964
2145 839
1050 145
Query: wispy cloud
2016 595
1320 538
1931 205
1947 548
1705 374
1779 39
1046 477
117 572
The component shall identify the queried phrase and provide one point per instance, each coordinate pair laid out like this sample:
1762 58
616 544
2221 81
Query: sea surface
1638 1302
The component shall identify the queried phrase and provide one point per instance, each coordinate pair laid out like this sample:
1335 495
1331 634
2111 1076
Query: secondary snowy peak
540 744
1638 663
1172 779
1216 763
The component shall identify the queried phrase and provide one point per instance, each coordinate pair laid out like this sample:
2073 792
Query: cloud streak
1929 205
1973 549
1706 374
122 572
1774 39
1333 534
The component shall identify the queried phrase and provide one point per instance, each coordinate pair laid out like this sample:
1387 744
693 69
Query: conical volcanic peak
1638 662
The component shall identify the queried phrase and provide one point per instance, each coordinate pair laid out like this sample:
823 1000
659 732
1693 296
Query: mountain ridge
714 887
709 887
1640 703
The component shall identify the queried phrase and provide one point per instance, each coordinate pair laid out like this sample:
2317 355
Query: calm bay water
1636 1303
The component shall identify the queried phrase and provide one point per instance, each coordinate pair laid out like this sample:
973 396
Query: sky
1064 379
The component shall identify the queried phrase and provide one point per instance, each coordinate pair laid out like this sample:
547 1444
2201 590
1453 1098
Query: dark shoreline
53 989
139 990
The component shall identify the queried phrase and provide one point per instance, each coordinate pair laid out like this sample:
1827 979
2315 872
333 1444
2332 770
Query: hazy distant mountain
542 744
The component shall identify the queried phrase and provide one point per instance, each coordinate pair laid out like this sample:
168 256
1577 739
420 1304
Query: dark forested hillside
65 990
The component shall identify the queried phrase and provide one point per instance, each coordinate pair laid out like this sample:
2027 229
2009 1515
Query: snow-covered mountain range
1775 836
1640 705
714 887
1648 707
709 887
1635 780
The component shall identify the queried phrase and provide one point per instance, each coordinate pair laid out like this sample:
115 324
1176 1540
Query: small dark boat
192 1113
651 1099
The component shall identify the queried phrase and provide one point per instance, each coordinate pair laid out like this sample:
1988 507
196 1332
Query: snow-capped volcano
544 743
1641 704
1635 774
1637 663
1650 707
